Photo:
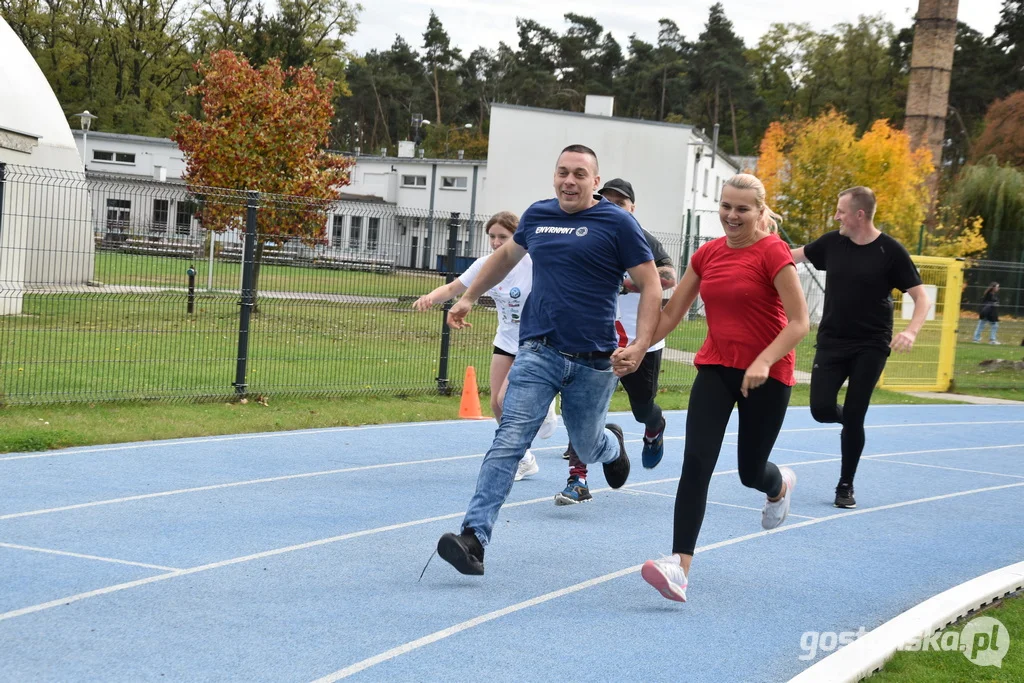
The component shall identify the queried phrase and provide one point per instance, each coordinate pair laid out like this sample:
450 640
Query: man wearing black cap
642 385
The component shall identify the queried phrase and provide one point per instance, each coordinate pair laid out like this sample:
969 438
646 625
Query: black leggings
714 394
832 367
642 387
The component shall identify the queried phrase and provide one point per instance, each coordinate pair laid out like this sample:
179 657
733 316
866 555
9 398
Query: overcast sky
472 23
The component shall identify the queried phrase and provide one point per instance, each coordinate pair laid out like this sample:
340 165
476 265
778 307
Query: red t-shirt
743 308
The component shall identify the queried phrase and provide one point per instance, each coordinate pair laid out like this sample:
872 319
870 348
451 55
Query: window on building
372 233
161 209
718 186
453 182
183 218
414 181
119 214
337 231
113 157
706 175
355 229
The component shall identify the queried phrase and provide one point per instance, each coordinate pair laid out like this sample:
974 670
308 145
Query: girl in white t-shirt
509 297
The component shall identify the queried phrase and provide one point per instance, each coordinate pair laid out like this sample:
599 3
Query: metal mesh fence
114 289
981 364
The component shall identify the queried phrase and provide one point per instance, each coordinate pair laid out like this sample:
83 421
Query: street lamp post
467 126
85 121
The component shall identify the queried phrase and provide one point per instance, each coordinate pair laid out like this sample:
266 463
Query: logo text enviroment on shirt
554 230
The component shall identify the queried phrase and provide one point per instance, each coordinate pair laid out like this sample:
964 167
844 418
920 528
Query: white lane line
405 425
491 616
786 450
250 482
953 469
304 546
947 450
223 563
50 551
902 425
303 475
711 502
391 527
233 437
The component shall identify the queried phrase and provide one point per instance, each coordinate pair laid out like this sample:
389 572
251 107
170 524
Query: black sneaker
844 496
616 472
463 552
569 452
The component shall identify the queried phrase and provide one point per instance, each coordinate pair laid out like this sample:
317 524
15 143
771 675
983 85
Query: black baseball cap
621 186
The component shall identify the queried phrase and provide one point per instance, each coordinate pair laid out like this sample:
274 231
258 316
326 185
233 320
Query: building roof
686 126
562 112
410 160
124 137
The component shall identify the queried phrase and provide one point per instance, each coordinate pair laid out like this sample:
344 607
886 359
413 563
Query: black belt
585 355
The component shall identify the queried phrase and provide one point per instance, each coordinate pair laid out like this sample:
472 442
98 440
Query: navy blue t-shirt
578 261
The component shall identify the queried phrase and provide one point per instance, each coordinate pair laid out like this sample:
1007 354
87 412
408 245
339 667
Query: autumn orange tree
265 130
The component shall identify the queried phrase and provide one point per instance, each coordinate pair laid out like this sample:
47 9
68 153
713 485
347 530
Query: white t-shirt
625 321
509 296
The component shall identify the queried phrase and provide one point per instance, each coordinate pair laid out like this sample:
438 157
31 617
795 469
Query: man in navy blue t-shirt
580 246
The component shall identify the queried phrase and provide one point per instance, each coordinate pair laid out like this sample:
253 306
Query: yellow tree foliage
955 238
807 163
771 160
820 158
897 176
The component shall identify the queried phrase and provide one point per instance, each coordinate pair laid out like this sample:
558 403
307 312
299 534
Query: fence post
248 295
3 187
442 375
685 260
950 324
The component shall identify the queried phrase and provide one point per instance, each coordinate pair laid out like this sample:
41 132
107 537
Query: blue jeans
991 332
538 373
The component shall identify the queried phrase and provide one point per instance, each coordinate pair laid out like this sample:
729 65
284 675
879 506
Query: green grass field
954 667
970 376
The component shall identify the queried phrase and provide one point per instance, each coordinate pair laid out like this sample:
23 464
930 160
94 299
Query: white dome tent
45 226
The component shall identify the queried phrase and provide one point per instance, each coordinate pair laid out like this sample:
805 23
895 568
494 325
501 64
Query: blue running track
295 556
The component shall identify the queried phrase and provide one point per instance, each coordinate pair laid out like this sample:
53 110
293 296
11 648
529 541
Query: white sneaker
550 424
527 466
667 576
775 513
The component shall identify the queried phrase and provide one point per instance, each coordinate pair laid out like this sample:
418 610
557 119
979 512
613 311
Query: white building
40 167
394 213
669 165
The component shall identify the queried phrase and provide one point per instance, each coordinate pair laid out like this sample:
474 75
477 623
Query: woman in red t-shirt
756 315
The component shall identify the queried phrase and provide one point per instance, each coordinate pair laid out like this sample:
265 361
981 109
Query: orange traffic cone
469 407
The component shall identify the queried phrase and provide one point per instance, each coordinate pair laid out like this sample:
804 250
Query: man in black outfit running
862 266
